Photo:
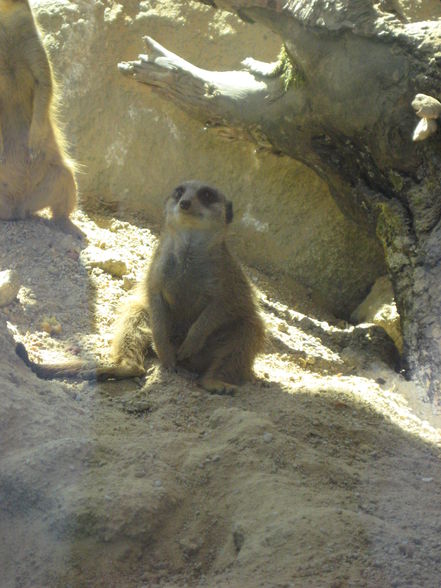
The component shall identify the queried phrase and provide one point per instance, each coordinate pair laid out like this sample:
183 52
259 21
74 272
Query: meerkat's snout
185 204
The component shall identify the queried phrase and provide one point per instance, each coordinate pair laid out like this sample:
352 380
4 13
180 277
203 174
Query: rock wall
417 10
133 147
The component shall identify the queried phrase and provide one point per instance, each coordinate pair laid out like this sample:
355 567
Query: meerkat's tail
79 370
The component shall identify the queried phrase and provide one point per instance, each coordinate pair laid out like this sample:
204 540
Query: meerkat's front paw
34 153
35 143
215 386
189 347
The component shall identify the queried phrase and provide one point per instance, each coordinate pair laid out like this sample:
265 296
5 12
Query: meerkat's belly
186 289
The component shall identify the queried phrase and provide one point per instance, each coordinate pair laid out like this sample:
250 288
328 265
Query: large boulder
379 308
133 147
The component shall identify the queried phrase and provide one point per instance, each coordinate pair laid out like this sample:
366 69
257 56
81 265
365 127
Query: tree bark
339 99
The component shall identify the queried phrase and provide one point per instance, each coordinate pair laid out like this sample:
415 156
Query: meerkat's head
195 205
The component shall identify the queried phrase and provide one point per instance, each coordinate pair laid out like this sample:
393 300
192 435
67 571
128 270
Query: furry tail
79 370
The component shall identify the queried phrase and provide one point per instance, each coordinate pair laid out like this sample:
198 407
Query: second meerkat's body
34 170
195 307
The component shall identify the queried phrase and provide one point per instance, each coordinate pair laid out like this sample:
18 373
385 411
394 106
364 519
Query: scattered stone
73 254
128 283
107 262
9 286
426 106
117 225
51 325
428 109
189 547
407 549
267 437
238 537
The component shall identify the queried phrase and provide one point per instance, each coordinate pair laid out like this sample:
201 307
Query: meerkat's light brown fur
35 172
194 309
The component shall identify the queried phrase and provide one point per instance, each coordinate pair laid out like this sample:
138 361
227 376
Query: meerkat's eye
178 193
208 196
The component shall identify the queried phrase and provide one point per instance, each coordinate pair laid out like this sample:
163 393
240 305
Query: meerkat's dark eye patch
208 196
178 193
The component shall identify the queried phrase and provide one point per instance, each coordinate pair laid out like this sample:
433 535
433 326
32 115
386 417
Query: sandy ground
324 473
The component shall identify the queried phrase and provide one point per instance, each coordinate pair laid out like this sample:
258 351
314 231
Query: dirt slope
325 473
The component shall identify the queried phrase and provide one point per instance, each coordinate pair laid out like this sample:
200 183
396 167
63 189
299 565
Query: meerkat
194 309
35 171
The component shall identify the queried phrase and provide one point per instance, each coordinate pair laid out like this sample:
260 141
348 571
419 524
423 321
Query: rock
108 262
380 309
238 537
407 549
126 136
9 286
50 325
189 547
412 11
267 437
425 128
128 283
426 106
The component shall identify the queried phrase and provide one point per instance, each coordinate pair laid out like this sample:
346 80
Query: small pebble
108 262
50 325
406 549
267 437
128 283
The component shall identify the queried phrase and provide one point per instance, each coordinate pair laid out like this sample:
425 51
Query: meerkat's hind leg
67 226
6 210
232 356
58 191
64 201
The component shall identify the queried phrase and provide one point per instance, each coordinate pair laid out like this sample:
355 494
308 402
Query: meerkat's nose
185 204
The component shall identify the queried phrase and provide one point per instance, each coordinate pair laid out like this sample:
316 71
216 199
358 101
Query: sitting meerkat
195 308
35 172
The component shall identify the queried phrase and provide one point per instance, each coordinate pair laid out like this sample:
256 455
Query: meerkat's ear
228 211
